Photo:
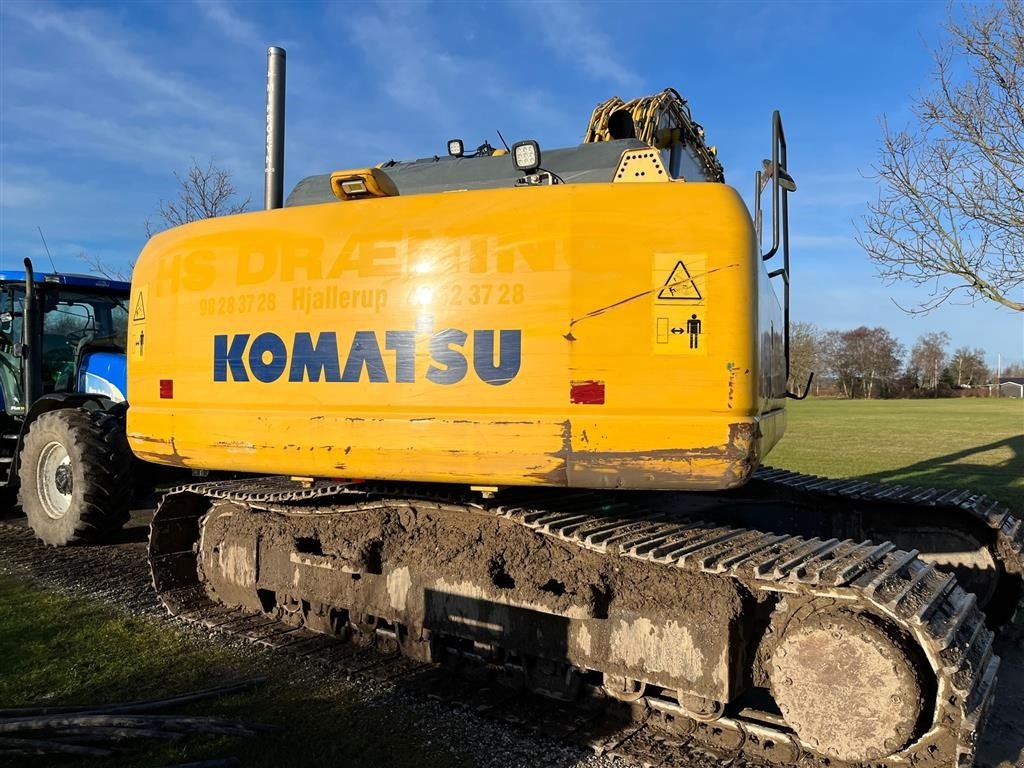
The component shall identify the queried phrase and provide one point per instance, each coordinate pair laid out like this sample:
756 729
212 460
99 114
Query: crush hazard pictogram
680 285
140 309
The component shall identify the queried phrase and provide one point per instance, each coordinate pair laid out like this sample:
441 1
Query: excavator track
818 626
971 535
936 522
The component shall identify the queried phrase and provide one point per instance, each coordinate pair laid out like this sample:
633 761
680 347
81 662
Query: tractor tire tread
101 502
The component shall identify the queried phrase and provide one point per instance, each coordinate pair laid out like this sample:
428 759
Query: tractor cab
74 342
63 401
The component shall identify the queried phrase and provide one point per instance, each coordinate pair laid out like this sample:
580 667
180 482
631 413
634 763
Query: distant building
1011 386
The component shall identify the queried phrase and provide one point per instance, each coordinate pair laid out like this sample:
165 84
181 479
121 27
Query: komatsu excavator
510 406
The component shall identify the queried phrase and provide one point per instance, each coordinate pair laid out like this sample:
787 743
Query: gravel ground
86 571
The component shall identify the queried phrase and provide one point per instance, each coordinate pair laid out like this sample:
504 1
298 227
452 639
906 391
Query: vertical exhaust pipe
273 186
31 335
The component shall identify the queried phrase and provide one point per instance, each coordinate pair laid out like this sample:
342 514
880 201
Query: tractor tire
76 475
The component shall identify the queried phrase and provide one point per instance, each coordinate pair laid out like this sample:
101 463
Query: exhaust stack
273 187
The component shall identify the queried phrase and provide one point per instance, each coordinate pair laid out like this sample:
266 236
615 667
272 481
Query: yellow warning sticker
138 343
680 285
679 308
139 304
137 332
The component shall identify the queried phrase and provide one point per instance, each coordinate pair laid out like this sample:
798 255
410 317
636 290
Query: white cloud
15 194
568 29
420 74
233 26
97 113
146 83
118 62
415 72
97 93
146 148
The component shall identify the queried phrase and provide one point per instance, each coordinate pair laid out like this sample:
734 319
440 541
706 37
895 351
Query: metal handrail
778 168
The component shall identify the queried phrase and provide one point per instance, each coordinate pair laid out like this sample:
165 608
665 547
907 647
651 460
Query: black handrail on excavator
782 185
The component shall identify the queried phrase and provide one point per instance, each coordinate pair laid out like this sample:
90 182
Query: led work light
526 156
456 147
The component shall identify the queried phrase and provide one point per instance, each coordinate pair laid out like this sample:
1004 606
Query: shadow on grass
955 470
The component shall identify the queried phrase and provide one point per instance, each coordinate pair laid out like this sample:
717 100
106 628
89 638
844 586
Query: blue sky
100 103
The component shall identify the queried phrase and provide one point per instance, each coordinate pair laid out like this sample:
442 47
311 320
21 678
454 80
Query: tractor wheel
75 475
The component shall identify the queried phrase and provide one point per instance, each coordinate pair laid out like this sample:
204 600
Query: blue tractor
63 391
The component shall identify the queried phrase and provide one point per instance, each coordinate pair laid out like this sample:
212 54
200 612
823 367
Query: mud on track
495 726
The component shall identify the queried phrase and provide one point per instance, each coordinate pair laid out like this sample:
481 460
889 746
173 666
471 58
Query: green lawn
61 650
955 443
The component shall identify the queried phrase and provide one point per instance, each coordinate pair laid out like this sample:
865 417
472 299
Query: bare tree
864 362
928 358
834 360
950 211
99 267
1012 370
804 354
203 193
967 367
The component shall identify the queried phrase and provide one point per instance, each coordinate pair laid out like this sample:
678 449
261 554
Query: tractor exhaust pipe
31 334
273 186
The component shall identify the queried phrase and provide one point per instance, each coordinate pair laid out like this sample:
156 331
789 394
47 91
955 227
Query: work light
455 147
353 187
526 156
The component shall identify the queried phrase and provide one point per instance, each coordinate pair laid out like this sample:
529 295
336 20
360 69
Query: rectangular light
361 183
354 187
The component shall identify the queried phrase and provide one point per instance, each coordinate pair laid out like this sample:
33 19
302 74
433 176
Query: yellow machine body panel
589 335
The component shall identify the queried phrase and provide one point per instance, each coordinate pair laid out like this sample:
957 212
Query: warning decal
680 285
138 344
139 308
679 310
137 333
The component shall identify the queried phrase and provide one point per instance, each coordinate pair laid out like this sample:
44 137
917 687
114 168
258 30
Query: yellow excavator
510 405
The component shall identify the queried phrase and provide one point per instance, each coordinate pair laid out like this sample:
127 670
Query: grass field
952 443
57 650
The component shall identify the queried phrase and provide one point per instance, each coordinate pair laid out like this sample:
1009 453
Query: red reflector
587 392
166 389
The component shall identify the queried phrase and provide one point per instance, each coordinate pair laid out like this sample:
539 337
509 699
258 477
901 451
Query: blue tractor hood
104 373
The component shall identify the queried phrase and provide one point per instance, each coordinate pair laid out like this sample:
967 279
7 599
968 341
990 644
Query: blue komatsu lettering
267 357
509 356
315 360
453 360
229 357
365 351
404 344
